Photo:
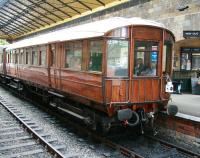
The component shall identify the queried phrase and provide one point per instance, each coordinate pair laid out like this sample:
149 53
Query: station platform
188 105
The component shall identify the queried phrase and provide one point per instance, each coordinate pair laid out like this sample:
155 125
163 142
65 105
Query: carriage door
55 65
16 62
52 66
117 80
146 80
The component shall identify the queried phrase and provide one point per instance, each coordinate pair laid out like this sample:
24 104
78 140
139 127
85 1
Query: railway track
167 149
18 131
131 147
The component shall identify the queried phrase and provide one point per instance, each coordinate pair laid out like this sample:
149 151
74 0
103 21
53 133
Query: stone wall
164 11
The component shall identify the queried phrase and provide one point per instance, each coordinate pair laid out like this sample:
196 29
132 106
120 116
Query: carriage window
95 62
21 56
35 56
13 57
117 58
24 56
73 55
145 58
53 54
120 32
10 54
28 55
8 58
43 55
1 58
16 57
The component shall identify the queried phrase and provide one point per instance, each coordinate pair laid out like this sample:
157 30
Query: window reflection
43 55
117 58
120 32
35 56
73 55
145 58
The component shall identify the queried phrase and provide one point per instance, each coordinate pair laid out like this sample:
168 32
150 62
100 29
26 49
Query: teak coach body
109 71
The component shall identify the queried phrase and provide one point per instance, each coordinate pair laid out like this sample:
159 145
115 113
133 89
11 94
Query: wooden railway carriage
109 71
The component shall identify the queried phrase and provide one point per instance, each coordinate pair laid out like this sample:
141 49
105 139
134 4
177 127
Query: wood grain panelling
147 33
144 90
117 90
82 84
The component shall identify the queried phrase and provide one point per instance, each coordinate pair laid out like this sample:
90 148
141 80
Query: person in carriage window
140 67
148 69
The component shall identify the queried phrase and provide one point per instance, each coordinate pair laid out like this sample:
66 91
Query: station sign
191 34
188 49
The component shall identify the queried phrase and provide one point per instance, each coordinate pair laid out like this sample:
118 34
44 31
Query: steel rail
34 134
178 148
123 150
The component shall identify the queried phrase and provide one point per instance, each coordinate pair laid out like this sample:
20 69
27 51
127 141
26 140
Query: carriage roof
89 30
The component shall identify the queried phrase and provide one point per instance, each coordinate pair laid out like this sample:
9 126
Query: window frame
134 54
106 62
89 55
65 55
40 55
34 49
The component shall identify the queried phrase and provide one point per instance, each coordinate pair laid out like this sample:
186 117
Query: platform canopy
22 17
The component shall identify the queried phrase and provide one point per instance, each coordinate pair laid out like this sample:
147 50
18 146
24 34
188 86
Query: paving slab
188 104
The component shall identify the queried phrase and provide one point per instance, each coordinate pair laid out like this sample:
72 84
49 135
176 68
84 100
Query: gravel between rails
75 145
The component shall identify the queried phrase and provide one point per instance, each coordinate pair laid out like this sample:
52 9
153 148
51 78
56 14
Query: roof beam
58 9
15 32
13 26
5 33
27 12
32 9
45 9
66 5
11 20
100 2
83 4
22 14
18 16
10 28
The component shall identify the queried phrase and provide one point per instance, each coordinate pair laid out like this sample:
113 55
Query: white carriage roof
92 29
2 47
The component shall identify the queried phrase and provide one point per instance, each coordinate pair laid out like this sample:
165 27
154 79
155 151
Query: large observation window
95 60
73 55
117 58
146 58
